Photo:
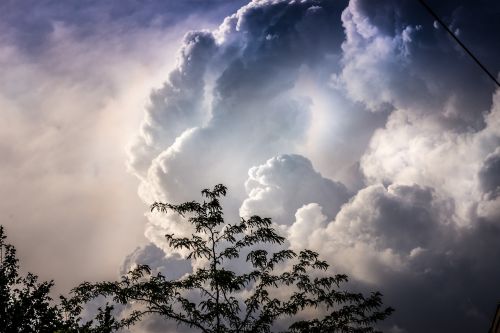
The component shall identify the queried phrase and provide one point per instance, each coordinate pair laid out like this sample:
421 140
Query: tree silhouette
215 299
25 304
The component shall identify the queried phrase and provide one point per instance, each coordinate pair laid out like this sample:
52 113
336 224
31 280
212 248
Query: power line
429 9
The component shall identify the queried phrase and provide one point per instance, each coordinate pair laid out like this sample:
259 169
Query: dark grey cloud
151 255
423 68
30 23
462 17
451 284
489 175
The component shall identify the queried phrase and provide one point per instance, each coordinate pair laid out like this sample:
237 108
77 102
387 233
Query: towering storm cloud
406 121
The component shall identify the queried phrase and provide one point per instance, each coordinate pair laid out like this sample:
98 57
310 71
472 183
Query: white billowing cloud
403 240
178 105
247 98
236 87
381 230
416 150
245 112
284 183
433 138
376 68
433 143
309 219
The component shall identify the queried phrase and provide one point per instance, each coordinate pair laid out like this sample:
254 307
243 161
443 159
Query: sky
361 128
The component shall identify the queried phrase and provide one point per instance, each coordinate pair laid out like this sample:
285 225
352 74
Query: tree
25 304
212 299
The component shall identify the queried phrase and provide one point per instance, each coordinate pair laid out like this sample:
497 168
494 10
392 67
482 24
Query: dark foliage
216 299
25 304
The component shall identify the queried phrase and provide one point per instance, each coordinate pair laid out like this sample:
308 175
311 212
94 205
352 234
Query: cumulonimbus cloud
239 110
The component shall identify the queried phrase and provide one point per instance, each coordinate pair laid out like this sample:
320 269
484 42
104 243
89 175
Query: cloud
373 96
178 105
489 175
401 239
284 183
409 149
154 257
394 59
70 100
433 140
379 230
371 76
30 24
248 72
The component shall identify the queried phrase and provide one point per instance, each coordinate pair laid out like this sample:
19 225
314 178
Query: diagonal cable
438 19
